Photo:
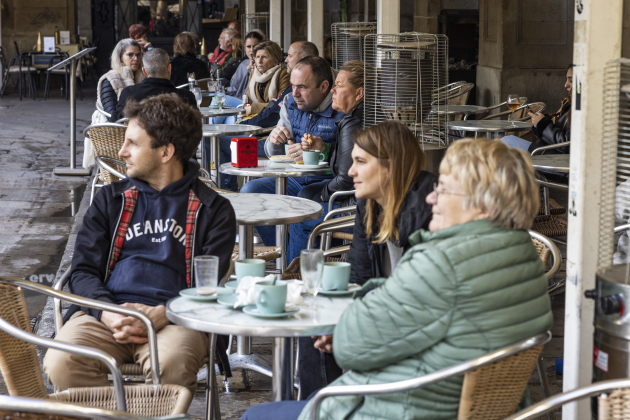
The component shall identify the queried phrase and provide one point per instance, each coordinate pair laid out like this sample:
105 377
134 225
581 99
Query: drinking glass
513 102
311 268
197 92
219 95
206 274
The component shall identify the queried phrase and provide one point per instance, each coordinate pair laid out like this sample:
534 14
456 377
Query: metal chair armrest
335 195
84 351
204 172
340 210
549 147
622 228
59 285
551 403
108 168
339 223
553 185
429 379
338 250
104 306
490 108
555 252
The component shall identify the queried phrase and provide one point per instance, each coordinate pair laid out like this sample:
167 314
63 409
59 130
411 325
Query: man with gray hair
157 69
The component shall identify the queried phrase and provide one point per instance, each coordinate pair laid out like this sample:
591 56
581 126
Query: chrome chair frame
34 406
520 108
430 379
86 133
105 358
344 222
547 405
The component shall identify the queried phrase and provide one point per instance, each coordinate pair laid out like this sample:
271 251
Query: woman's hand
315 143
210 56
248 109
295 151
324 343
536 117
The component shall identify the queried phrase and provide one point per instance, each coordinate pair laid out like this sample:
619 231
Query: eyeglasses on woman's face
437 193
131 55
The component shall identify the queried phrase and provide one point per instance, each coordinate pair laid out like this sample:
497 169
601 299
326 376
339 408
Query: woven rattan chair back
494 391
614 406
19 364
107 142
293 271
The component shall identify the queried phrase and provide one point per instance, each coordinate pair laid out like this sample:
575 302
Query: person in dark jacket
549 129
185 61
157 70
392 187
136 248
347 98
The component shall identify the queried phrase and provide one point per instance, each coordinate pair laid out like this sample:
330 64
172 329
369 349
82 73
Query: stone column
275 21
525 48
388 16
425 16
315 28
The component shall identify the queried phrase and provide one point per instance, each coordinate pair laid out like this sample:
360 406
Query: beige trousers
181 354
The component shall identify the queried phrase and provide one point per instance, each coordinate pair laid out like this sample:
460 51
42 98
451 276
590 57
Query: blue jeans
519 143
229 182
280 410
268 186
317 369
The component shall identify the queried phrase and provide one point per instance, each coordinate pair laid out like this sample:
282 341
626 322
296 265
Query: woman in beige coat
268 78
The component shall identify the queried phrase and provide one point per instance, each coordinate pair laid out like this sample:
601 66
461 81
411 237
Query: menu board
64 37
49 44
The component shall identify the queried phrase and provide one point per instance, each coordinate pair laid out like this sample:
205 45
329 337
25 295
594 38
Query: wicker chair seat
554 208
267 253
142 400
551 225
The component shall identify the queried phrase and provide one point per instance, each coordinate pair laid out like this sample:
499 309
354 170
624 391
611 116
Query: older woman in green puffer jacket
471 284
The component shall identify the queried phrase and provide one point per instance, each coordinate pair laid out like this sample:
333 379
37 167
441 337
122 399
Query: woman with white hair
469 285
126 62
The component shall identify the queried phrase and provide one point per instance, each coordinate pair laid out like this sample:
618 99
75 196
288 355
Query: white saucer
351 289
192 294
253 310
322 165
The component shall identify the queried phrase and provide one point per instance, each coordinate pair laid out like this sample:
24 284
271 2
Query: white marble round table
466 110
215 318
208 112
489 126
282 172
556 163
214 131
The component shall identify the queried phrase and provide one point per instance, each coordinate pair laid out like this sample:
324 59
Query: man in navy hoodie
136 248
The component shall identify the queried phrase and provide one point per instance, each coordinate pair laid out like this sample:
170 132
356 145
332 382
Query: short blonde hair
119 50
495 178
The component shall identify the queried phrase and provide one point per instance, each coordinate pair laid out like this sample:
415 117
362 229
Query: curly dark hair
168 119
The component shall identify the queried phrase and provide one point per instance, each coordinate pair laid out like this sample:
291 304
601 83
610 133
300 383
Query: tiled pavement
40 214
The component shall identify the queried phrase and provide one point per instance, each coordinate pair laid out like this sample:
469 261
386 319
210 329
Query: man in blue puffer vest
308 110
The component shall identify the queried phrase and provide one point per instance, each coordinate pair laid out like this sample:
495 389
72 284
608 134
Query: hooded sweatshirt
152 265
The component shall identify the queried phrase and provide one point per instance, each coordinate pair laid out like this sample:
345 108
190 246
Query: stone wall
525 47
22 20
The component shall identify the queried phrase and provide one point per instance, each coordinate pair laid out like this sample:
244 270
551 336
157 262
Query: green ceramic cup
249 267
336 276
270 299
312 157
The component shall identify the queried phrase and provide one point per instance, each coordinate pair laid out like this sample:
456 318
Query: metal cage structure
403 74
615 180
258 20
347 41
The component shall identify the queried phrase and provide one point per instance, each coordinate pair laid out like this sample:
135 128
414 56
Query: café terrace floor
40 214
